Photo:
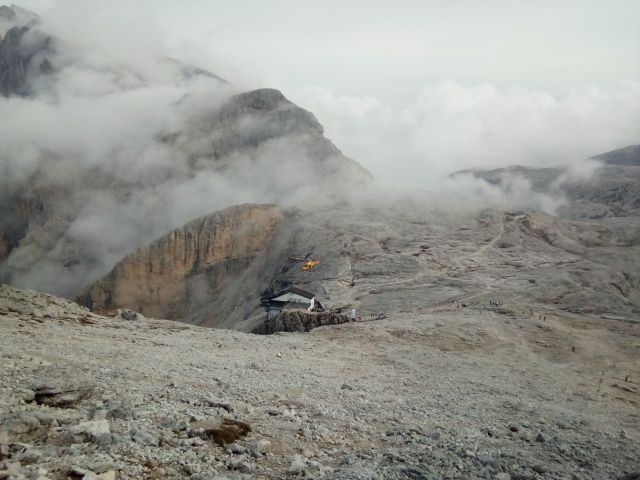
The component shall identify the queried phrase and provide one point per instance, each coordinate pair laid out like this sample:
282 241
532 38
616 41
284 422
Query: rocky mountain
253 145
23 51
612 190
187 266
14 16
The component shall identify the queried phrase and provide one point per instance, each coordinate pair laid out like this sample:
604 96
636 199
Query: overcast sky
390 49
412 82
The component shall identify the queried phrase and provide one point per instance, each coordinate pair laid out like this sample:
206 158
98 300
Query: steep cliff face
188 265
23 51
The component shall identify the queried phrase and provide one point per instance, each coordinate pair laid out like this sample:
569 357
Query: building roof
297 291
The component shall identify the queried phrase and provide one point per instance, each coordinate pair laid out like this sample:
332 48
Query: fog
123 141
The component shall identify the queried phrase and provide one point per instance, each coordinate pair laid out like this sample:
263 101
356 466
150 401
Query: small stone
29 457
27 395
84 474
218 404
513 428
144 438
61 395
487 460
297 465
539 468
262 446
245 467
526 435
235 448
126 314
540 438
503 476
108 475
92 431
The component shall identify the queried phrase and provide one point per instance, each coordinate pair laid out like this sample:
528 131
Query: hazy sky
390 49
425 86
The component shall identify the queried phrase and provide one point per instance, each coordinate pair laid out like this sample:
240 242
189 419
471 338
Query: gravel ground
449 393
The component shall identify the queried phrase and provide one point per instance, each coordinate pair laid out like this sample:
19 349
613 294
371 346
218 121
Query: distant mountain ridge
612 191
628 156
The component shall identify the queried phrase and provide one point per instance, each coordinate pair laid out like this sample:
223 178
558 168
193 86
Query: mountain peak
14 16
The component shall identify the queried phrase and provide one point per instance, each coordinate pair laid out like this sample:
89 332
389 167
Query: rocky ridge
613 190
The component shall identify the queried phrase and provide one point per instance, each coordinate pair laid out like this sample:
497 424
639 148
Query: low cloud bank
450 127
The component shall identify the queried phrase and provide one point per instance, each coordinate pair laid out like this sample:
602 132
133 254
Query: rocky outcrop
13 63
19 58
299 321
188 265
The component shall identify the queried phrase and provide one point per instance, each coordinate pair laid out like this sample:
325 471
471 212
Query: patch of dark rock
299 321
631 476
62 395
217 404
521 476
539 469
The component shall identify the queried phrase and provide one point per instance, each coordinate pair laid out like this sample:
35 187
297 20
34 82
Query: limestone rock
60 394
191 262
299 321
93 430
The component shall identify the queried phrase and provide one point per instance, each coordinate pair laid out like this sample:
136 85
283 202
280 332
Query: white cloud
450 126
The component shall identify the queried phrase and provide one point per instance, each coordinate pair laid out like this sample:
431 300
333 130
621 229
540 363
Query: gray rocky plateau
446 393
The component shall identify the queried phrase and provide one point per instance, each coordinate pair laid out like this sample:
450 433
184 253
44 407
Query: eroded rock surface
449 392
299 321
188 265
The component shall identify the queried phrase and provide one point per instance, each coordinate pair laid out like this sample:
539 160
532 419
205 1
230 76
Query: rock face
14 16
22 51
299 321
187 265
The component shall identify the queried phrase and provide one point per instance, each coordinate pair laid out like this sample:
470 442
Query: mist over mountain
471 275
102 157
